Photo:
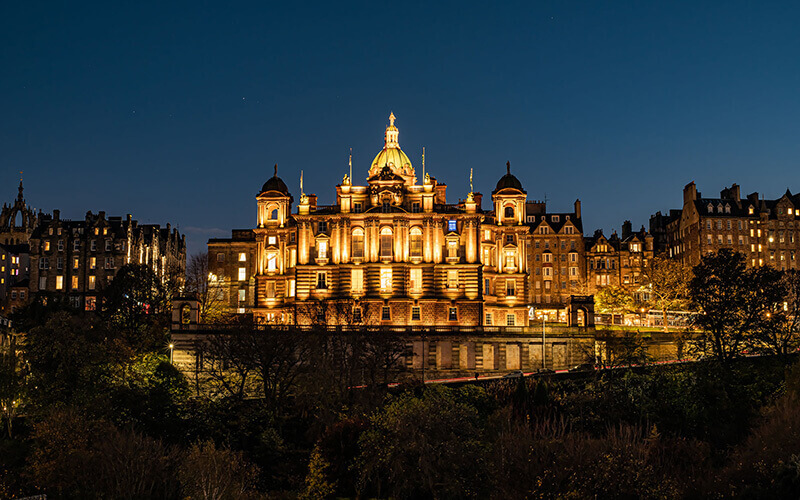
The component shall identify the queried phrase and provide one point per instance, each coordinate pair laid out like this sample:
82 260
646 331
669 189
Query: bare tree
211 297
779 333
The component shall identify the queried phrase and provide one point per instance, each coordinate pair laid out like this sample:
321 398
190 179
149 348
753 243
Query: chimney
578 209
101 215
627 229
689 193
312 201
731 193
56 214
478 199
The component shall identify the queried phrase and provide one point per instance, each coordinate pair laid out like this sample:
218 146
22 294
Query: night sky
176 113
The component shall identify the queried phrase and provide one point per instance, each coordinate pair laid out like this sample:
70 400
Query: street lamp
171 348
544 351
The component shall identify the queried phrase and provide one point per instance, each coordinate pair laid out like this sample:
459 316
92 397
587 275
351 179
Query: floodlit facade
395 252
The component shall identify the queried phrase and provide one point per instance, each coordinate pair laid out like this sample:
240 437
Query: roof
508 181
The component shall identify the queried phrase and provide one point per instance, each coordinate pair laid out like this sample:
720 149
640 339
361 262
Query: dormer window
544 230
719 208
727 208
358 207
415 207
556 218
711 208
750 210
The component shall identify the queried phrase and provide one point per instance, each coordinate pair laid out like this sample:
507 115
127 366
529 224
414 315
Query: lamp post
544 351
171 348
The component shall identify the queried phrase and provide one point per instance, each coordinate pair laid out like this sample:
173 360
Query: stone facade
78 258
766 231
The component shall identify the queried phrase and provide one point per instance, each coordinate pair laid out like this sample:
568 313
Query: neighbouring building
766 231
619 261
79 257
395 252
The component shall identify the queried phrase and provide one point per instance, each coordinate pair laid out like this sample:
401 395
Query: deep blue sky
178 112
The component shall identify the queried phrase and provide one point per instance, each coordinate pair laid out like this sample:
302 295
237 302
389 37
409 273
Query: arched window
386 242
358 243
416 242
273 214
509 212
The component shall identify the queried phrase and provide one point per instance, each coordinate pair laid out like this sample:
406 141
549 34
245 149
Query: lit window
386 279
452 226
59 282
416 280
322 249
416 242
415 313
75 263
386 242
322 281
272 262
92 282
74 282
511 288
452 249
91 303
291 288
452 278
511 319
271 240
242 273
357 280
92 262
488 319
452 314
242 295
46 246
358 243
242 257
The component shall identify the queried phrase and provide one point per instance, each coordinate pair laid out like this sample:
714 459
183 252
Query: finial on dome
508 167
276 170
391 119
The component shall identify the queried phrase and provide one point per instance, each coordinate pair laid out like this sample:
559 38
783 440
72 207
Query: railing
534 329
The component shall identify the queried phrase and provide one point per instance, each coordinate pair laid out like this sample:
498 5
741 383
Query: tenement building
79 257
766 231
619 261
395 252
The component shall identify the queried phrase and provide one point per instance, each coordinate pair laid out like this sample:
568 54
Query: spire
276 170
391 119
508 168
19 197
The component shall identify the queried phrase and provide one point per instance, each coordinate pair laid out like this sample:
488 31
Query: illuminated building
78 258
766 231
619 261
391 252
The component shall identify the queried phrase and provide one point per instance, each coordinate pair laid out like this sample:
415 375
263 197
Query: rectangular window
452 278
415 313
108 245
220 257
46 246
291 288
91 303
415 283
60 263
415 207
511 288
322 226
452 314
452 226
75 263
322 249
76 245
452 249
59 282
511 319
292 237
242 257
92 262
386 245
356 314
488 319
358 207
60 245
93 245
74 282
242 295
386 279
386 313
242 273
322 281
272 240
357 280
92 282
358 245
270 289
43 283
509 238
272 262
486 284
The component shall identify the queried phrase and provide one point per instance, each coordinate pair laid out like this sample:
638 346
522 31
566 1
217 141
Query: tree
13 375
780 332
619 348
424 446
210 297
733 302
136 297
668 284
211 473
614 300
